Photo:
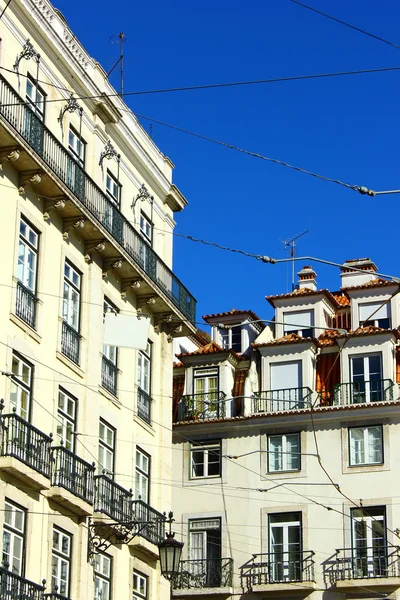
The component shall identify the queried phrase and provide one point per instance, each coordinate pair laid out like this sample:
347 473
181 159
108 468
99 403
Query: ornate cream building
286 442
86 227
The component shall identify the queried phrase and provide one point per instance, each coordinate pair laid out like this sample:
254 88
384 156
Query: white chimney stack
351 278
307 279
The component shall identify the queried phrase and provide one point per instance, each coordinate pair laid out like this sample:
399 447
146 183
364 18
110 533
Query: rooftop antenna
121 39
292 245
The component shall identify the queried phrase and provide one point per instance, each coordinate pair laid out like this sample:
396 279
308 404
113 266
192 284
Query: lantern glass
170 556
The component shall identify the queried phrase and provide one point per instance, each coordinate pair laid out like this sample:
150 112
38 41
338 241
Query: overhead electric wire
368 33
5 8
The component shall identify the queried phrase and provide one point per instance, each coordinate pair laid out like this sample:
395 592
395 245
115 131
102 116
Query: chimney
351 278
307 279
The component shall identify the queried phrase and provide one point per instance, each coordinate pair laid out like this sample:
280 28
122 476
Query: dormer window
299 322
231 338
373 313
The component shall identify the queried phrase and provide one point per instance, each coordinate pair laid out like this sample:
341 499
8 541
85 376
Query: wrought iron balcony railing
109 372
279 400
28 125
14 587
72 473
279 567
144 406
361 392
365 563
204 573
154 530
112 499
21 440
26 304
202 407
54 596
70 342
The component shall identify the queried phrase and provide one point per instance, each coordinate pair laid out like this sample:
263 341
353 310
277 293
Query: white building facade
285 455
85 452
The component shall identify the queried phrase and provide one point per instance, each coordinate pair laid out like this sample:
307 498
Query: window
369 543
61 562
27 272
205 460
285 549
36 97
14 538
76 145
205 551
102 576
299 322
142 475
106 447
113 188
144 382
109 369
71 313
139 586
286 391
231 338
373 313
21 386
146 227
284 452
366 445
366 376
66 419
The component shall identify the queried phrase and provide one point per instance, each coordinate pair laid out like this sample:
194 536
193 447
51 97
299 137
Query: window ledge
283 475
204 481
69 363
104 392
145 425
352 469
26 328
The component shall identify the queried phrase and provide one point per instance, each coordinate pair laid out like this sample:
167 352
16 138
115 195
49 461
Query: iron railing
72 473
28 125
25 307
112 499
361 392
279 567
150 522
21 440
204 573
144 405
365 563
202 407
54 596
70 342
279 400
109 372
14 587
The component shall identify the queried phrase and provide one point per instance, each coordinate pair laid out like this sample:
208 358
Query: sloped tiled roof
289 338
303 292
211 348
235 312
374 283
341 298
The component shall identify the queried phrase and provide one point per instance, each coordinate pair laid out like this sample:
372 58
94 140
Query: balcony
144 406
54 596
21 124
274 572
282 400
151 523
362 392
109 373
203 574
22 442
75 476
112 500
25 307
14 587
202 407
378 563
70 342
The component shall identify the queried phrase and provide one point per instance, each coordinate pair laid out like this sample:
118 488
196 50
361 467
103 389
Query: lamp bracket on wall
28 52
71 106
143 194
109 152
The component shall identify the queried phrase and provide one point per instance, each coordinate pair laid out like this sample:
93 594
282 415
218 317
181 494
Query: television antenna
292 245
119 38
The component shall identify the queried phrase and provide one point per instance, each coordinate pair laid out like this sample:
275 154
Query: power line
5 8
319 12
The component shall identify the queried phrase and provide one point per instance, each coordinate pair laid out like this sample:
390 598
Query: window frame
365 428
227 334
147 356
283 453
21 385
101 577
74 287
137 595
67 419
111 449
141 475
22 239
14 532
33 105
71 147
60 556
298 330
206 446
148 222
116 200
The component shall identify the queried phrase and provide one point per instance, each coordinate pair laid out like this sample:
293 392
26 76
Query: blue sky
345 128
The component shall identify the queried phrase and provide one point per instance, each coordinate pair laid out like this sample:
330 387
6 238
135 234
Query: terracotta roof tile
178 364
235 312
341 299
328 338
303 292
378 282
211 348
289 338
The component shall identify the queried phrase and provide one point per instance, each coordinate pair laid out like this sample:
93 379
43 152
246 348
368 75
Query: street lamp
170 552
